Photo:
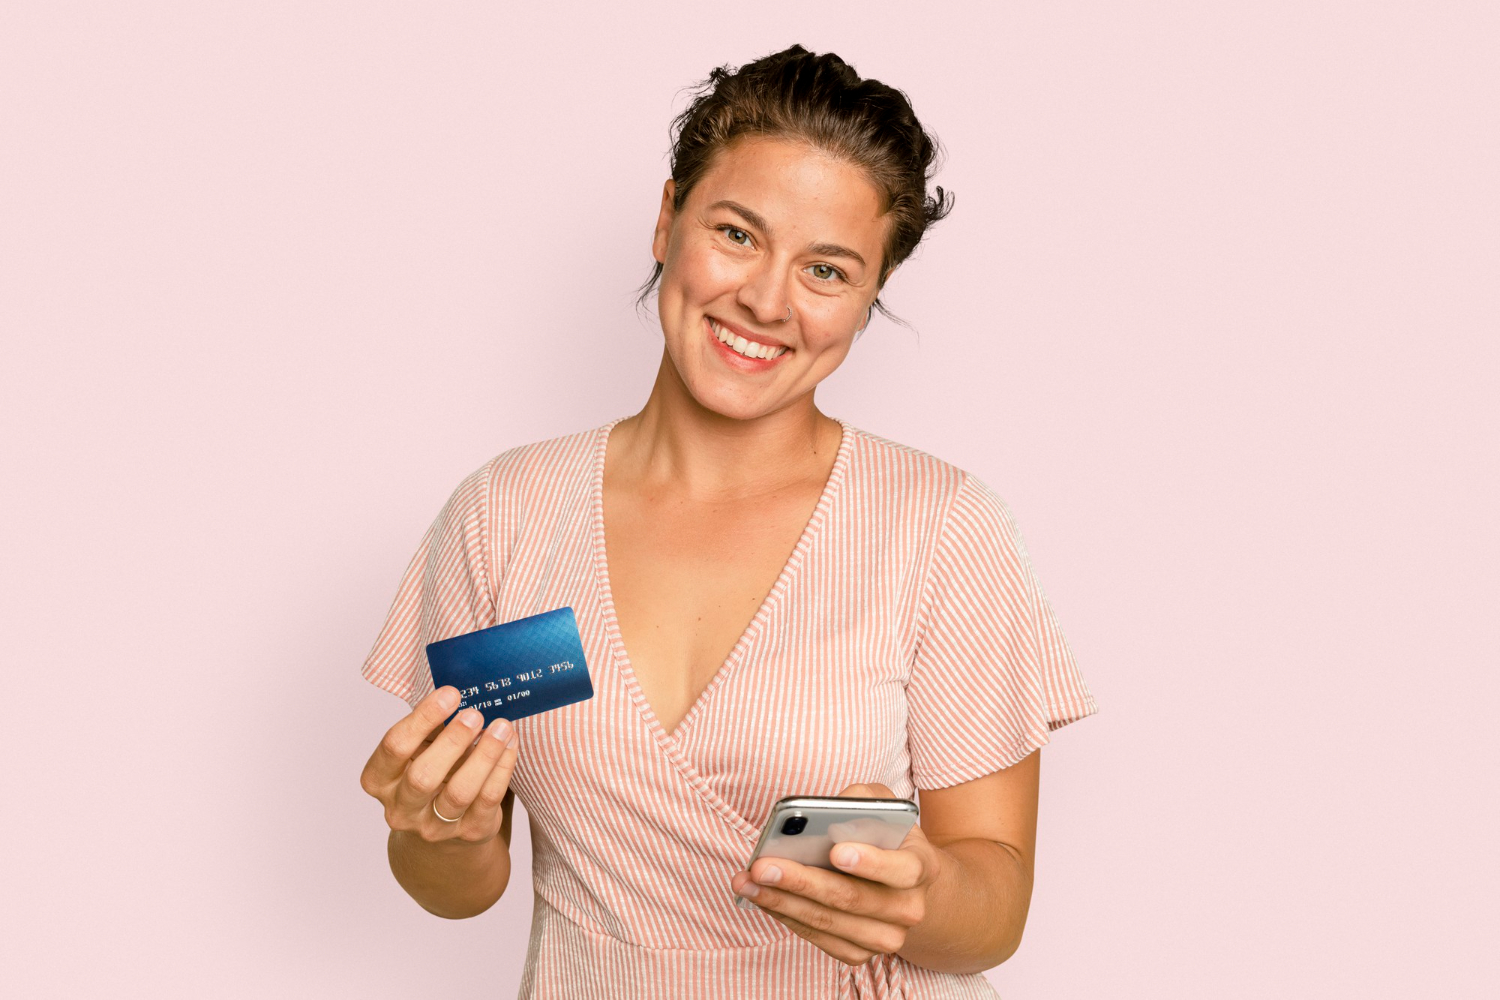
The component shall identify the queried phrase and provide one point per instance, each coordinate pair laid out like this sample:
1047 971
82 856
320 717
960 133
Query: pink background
1216 313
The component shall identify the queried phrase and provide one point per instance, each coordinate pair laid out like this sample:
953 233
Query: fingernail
500 730
470 718
515 738
749 890
770 875
846 857
447 698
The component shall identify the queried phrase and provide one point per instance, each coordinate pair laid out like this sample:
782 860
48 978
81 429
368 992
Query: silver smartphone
804 828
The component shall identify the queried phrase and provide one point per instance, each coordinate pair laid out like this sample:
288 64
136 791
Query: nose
765 291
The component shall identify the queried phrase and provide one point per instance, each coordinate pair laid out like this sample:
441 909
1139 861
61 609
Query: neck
679 444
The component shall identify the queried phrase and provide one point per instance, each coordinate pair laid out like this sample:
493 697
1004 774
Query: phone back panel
879 822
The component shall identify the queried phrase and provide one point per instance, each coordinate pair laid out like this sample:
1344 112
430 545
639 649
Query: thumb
863 791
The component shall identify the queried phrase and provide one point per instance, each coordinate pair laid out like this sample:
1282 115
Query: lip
735 359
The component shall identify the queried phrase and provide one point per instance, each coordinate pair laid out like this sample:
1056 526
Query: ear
664 222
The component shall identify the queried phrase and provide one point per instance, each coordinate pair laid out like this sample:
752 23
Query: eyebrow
820 249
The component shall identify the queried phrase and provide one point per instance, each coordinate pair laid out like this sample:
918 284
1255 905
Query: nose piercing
788 314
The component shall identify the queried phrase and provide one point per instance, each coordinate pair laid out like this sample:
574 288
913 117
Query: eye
826 272
737 236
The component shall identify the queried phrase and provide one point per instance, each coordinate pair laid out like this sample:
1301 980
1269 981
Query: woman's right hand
418 767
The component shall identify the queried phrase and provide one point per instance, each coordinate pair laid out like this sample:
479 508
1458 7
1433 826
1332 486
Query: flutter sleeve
992 675
446 591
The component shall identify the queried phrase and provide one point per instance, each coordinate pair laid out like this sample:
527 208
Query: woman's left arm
953 897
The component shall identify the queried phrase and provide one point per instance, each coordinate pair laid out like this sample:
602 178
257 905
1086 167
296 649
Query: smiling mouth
744 347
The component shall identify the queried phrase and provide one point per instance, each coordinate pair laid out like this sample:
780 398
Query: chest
688 578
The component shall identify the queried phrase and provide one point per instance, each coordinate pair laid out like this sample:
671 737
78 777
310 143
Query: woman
771 603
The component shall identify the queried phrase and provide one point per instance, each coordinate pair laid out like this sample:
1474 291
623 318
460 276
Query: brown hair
821 100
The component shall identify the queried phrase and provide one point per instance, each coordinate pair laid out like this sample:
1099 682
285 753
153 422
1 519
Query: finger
830 890
863 791
844 893
463 758
477 790
434 736
847 936
487 812
405 739
424 775
903 868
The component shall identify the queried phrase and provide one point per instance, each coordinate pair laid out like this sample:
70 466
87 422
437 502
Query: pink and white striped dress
905 642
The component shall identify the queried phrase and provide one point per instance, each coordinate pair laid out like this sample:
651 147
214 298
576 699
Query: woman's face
772 224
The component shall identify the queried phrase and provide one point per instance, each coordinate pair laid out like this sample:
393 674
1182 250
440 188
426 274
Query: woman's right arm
453 869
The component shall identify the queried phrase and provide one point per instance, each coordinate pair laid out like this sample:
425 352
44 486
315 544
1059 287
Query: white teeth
748 348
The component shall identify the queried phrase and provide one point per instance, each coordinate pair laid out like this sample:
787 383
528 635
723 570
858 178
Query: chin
732 406
731 395
732 401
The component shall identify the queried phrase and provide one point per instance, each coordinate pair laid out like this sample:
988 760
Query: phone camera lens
794 825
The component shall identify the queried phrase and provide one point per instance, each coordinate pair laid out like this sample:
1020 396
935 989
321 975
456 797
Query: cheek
832 352
829 326
699 274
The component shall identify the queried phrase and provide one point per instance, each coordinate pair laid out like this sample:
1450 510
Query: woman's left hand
864 909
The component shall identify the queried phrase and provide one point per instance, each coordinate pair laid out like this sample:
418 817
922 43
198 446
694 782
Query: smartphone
804 828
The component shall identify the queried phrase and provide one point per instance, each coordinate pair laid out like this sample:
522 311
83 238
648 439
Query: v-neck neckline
768 605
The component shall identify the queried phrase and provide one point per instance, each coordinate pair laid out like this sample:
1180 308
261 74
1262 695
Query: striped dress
906 642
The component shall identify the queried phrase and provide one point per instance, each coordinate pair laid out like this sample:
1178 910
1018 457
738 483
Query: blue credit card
516 669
